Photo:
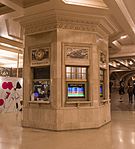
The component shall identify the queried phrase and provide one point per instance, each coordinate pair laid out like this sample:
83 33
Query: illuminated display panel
41 89
76 90
41 83
101 90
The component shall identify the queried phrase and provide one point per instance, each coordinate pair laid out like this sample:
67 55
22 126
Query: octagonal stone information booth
66 73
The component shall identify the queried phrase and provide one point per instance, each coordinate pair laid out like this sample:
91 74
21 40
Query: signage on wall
40 56
8 96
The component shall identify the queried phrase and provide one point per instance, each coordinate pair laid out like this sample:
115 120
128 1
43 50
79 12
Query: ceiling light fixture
130 63
124 36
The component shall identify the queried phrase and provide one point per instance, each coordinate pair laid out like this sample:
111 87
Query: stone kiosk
66 78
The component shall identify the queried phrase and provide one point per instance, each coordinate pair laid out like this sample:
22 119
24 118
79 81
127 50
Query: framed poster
40 56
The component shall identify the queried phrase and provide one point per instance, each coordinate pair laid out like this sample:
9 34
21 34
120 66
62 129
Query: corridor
118 134
123 104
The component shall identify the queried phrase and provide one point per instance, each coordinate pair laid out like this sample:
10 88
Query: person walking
130 93
134 92
16 98
121 90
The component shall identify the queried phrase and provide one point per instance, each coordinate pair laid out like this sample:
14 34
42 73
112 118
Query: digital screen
41 89
101 90
76 90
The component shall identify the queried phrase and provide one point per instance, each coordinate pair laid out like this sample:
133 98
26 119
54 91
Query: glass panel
79 70
83 70
84 76
73 72
101 77
76 72
68 76
101 72
79 73
83 73
68 69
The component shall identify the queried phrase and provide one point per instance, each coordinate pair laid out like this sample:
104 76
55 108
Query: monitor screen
101 90
41 89
76 90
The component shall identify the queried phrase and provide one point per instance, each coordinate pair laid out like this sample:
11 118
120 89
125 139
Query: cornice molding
42 23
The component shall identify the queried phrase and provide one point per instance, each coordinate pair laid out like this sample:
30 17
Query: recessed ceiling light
123 37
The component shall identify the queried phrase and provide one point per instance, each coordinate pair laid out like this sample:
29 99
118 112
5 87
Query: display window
76 83
41 84
102 84
41 90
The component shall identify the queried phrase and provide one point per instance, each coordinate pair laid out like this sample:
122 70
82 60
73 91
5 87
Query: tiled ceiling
28 3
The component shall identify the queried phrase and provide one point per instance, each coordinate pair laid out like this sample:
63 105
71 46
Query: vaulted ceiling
120 12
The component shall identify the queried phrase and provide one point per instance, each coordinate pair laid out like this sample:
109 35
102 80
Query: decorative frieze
71 22
77 52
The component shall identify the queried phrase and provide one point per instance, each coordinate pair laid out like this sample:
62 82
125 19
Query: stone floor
118 134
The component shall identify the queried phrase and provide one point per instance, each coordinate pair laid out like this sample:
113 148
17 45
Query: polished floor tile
118 134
